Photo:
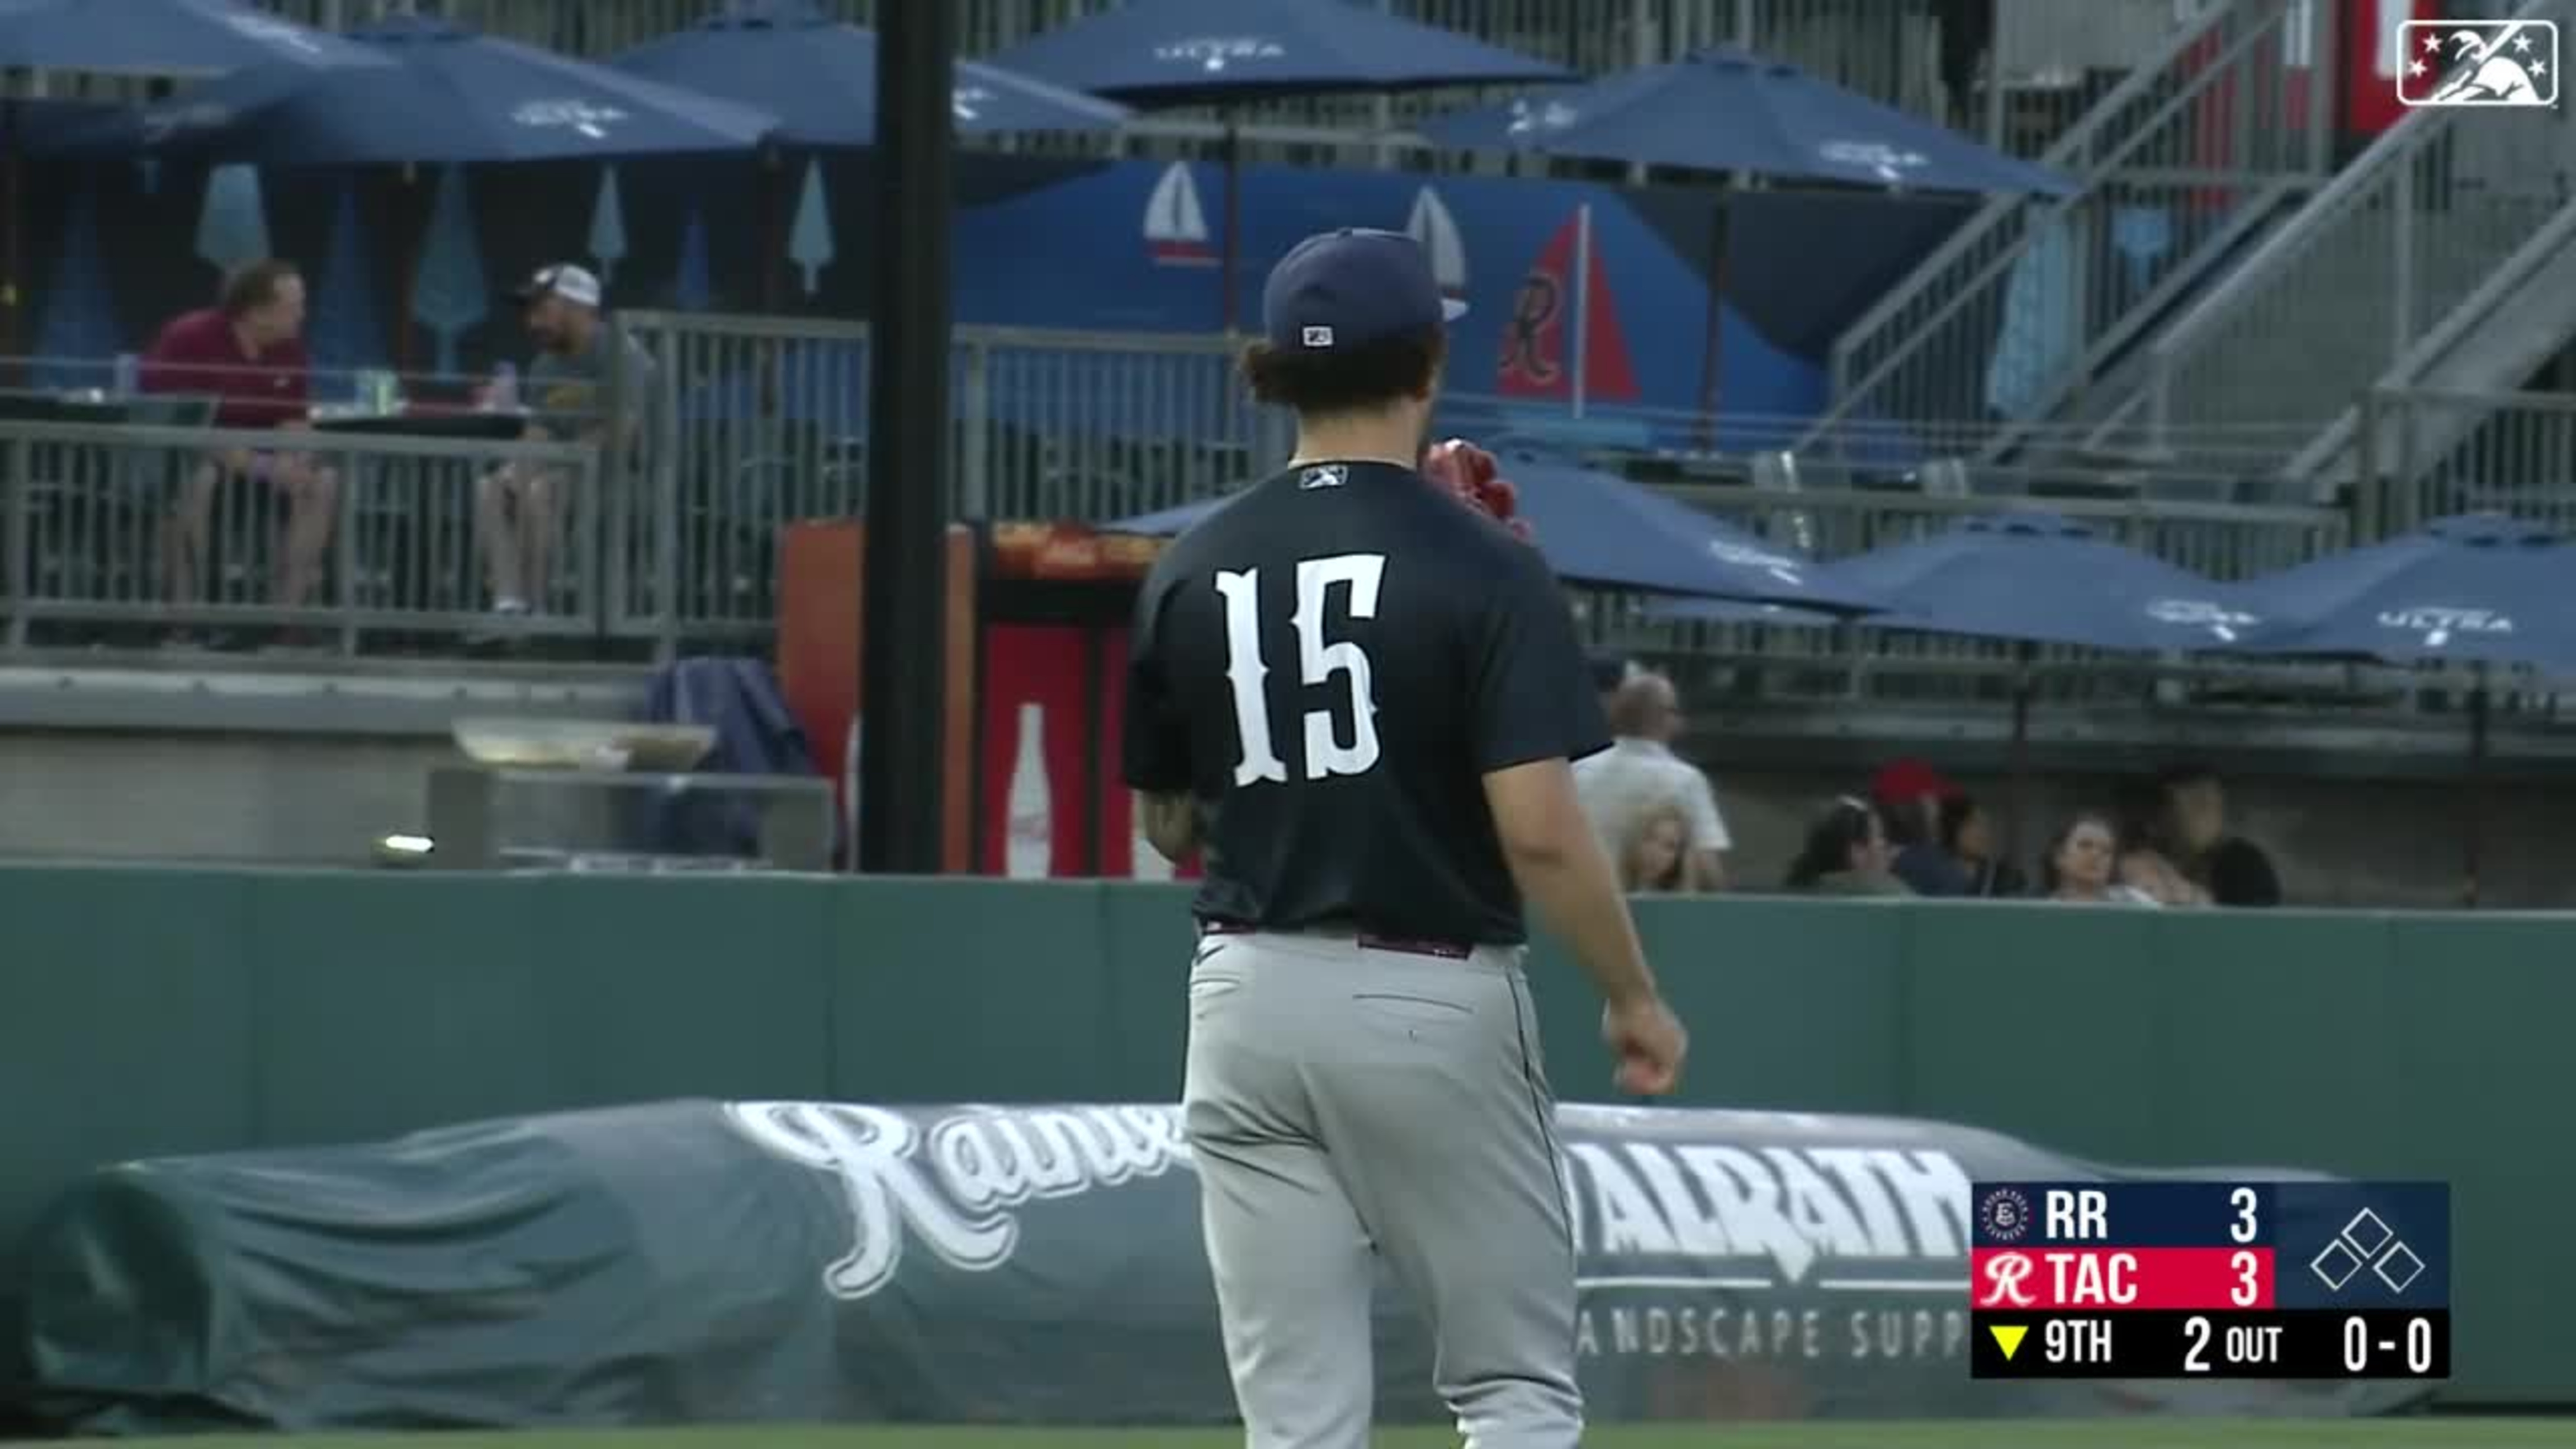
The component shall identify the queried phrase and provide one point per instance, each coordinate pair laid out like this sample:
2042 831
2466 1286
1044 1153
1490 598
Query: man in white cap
520 512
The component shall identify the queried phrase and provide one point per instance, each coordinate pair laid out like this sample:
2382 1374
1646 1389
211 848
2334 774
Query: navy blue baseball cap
1342 289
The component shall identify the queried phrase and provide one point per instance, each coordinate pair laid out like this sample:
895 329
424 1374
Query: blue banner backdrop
1127 246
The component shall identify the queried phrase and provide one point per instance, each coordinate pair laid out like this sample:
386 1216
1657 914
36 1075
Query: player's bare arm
1559 864
1171 823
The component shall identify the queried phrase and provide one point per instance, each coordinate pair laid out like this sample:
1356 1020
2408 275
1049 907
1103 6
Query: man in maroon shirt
247 353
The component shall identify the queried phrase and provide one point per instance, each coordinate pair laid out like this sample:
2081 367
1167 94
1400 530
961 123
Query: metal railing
2426 454
87 536
743 425
2499 332
2330 301
2033 297
758 422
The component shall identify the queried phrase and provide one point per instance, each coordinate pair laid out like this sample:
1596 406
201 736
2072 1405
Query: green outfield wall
149 1012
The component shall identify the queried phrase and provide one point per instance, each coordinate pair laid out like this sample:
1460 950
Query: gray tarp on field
696 1261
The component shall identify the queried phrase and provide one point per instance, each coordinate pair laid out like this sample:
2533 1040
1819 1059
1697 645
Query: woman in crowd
1651 853
1967 833
2082 858
1846 854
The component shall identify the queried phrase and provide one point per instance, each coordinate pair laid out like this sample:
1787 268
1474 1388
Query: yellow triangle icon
2008 1337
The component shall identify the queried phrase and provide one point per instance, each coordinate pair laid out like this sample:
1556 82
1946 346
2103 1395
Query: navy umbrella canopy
2039 578
451 96
1152 53
1729 110
1602 530
1209 52
2476 588
163 38
2479 589
819 76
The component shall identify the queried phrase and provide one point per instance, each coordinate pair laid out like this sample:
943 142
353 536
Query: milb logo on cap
2477 62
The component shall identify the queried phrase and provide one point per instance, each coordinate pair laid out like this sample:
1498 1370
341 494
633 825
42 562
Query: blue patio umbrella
145 37
451 96
820 77
2480 589
1213 52
2476 589
1153 53
2036 578
163 38
1728 110
1602 530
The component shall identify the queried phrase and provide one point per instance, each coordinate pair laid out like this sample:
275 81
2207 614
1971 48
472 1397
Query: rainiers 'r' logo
2005 1274
2477 62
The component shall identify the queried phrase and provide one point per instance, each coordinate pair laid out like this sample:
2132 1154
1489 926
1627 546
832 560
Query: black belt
1368 940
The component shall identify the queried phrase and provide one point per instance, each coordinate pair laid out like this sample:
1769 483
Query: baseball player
1359 701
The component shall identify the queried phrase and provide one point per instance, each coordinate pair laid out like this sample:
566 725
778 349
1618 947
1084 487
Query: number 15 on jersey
1321 661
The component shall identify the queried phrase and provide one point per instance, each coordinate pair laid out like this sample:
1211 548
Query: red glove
1470 475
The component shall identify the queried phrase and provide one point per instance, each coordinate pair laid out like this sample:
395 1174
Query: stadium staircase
2178 171
2438 258
2441 259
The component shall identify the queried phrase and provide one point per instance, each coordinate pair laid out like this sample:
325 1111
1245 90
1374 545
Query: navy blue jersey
1330 664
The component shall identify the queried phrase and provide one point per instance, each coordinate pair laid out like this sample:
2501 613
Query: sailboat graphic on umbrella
1437 231
1176 229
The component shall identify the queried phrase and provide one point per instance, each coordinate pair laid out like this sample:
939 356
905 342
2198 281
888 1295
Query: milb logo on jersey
1725 1250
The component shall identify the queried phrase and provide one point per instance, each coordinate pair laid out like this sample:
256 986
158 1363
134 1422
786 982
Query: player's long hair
1368 378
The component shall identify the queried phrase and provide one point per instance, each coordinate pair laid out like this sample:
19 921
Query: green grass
2413 1433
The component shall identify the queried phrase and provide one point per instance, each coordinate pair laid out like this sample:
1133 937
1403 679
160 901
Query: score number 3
1318 660
2246 1265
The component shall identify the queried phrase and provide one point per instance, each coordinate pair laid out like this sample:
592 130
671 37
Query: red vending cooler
1052 613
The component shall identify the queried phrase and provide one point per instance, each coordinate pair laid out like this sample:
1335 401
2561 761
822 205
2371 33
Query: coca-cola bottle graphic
1028 851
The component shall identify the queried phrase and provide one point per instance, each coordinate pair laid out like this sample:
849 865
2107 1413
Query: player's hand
1648 1042
1473 477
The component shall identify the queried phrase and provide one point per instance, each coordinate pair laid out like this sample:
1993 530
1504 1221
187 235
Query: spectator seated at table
1846 853
247 353
519 511
1908 793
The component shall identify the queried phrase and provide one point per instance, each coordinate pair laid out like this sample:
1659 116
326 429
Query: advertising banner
811 1261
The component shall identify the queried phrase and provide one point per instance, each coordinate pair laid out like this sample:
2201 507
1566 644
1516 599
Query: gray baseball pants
1346 1102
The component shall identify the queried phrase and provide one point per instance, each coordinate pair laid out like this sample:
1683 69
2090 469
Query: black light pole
900 685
